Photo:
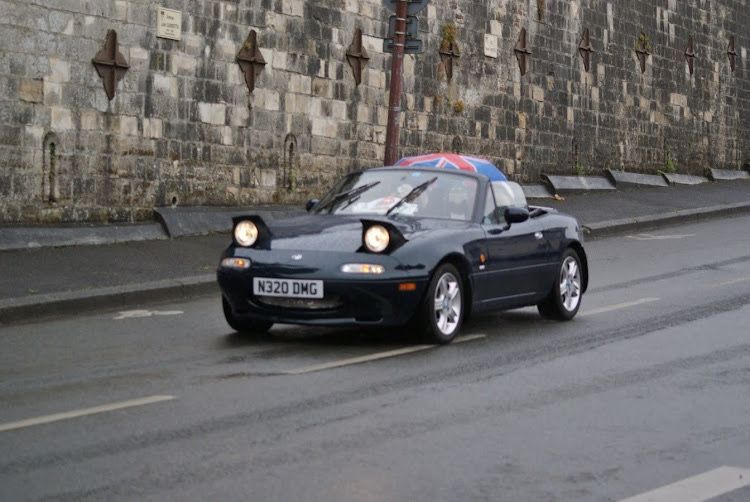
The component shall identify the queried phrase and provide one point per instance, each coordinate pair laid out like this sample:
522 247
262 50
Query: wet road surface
647 390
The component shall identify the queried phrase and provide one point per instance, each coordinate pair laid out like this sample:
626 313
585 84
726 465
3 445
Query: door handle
538 236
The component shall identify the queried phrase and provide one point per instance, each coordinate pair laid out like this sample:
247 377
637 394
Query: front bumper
349 299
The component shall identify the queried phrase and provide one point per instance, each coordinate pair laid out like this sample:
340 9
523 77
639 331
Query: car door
516 258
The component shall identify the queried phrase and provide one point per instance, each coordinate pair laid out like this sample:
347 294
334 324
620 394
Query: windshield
405 192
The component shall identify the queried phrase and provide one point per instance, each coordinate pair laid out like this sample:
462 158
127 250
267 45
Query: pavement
48 281
645 394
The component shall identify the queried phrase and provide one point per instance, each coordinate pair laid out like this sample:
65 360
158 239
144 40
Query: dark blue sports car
416 247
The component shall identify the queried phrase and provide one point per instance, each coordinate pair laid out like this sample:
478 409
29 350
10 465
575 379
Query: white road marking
699 488
729 283
618 306
137 314
652 237
376 356
83 412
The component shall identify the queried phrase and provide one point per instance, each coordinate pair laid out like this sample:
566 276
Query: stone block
61 119
31 90
324 127
212 113
59 70
300 84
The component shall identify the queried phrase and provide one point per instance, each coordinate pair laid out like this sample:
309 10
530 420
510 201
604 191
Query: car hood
315 232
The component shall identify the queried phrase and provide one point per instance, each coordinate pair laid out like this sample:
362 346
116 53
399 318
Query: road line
29 422
618 306
375 357
729 283
699 488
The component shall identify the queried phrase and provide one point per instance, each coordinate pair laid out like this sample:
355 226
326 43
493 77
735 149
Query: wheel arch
462 264
578 248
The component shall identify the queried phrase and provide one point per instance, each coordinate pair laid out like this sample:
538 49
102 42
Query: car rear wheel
244 326
442 312
564 300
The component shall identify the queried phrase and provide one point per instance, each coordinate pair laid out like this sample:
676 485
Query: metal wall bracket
448 53
585 49
110 64
357 56
250 59
732 53
690 55
522 51
642 50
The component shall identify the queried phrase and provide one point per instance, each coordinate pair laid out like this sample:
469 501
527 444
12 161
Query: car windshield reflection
422 194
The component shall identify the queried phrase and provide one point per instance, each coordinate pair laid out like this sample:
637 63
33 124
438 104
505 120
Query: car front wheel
564 300
443 310
244 326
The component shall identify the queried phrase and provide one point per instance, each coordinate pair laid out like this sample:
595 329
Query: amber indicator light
407 286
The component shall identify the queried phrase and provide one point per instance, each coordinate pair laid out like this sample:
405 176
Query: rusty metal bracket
448 53
585 49
690 55
522 51
110 64
250 59
357 56
732 53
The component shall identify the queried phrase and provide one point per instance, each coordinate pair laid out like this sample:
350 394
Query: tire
564 301
244 326
441 325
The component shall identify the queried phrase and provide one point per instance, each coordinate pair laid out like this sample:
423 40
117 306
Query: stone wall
183 127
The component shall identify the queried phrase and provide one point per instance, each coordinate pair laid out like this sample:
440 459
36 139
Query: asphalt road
649 386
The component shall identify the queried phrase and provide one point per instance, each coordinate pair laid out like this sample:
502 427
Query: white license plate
287 288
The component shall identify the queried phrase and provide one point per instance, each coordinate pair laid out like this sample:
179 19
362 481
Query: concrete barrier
561 184
684 179
536 192
728 174
624 178
12 238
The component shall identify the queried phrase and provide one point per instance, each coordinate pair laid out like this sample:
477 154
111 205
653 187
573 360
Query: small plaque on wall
490 46
169 24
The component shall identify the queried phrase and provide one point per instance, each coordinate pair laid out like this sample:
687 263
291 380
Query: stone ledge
684 179
728 174
578 183
636 179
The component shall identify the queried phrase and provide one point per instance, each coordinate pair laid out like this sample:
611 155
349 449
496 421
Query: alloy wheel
570 284
447 304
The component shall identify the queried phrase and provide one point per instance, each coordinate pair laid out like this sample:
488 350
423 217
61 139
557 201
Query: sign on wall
169 24
490 46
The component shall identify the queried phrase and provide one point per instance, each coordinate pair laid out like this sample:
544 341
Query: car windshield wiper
350 194
415 192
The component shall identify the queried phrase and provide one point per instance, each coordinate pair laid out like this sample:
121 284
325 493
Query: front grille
330 302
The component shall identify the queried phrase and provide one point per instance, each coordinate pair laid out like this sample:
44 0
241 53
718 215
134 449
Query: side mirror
311 204
516 215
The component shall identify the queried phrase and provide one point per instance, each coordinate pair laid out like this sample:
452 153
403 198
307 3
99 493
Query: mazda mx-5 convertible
416 247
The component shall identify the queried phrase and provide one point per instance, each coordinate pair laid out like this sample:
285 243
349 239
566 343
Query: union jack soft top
454 161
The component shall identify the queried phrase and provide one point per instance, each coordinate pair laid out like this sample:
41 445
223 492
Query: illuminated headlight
246 233
377 238
236 263
362 268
